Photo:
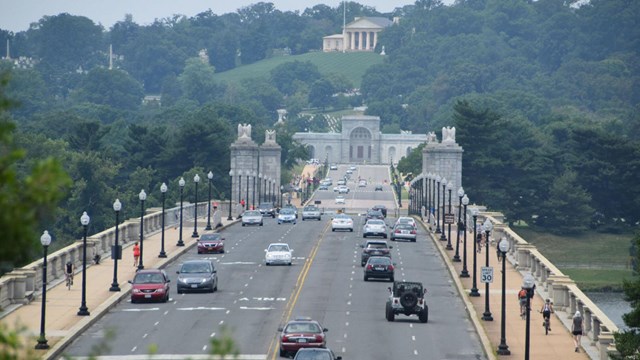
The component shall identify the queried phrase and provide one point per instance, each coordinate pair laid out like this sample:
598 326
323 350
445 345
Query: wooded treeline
544 96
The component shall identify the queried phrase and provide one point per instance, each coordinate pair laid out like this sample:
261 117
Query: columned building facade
358 35
360 142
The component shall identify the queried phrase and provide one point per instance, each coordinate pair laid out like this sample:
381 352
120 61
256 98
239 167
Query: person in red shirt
136 254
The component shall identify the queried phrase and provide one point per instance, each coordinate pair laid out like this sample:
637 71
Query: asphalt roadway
325 283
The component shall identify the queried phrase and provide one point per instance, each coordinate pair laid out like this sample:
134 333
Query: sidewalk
557 345
63 324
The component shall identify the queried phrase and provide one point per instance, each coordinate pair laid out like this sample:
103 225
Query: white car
340 199
287 215
406 220
352 168
342 189
342 182
362 183
375 227
333 167
278 253
252 217
342 222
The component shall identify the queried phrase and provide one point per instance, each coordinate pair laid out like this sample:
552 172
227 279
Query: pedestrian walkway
557 345
63 324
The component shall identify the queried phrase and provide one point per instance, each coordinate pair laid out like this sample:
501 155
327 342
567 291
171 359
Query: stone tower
444 158
244 165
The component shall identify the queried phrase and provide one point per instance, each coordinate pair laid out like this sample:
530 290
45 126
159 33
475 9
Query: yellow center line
297 289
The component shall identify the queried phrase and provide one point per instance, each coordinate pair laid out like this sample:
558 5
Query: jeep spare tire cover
408 300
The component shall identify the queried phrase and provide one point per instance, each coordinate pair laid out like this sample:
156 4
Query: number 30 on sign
486 274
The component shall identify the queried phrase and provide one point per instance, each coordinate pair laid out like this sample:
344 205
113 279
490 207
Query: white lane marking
411 325
204 348
255 308
348 302
345 335
344 350
415 352
228 311
245 285
413 337
212 334
346 324
200 308
138 310
156 323
169 357
239 263
347 313
221 322
145 336
166 312
349 294
250 277
134 349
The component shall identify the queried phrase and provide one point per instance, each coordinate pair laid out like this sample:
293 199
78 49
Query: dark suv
267 208
374 248
407 298
381 208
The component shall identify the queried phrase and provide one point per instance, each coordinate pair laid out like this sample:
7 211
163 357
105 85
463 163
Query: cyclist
69 270
546 310
522 297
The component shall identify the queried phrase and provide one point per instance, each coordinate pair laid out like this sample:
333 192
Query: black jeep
407 298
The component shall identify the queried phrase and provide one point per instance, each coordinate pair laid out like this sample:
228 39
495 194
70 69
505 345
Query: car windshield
265 206
310 208
314 355
194 268
375 213
278 248
343 217
413 287
377 246
252 213
210 237
148 278
404 227
375 222
303 327
286 211
379 261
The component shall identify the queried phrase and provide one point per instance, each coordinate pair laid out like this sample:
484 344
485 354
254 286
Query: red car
150 285
301 333
210 243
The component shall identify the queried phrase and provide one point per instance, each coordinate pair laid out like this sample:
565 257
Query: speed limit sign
486 274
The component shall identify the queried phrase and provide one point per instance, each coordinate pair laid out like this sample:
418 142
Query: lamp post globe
196 180
503 348
449 190
281 195
45 240
208 227
529 284
437 207
84 220
181 183
163 190
143 197
443 237
474 287
230 194
116 253
465 272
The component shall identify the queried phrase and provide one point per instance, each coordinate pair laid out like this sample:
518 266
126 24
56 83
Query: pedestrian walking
136 254
576 330
479 242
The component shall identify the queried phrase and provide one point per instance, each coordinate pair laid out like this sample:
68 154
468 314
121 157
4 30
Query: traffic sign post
449 218
486 274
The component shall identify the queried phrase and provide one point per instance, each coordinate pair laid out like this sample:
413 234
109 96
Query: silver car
311 212
403 232
252 217
342 222
375 227
197 275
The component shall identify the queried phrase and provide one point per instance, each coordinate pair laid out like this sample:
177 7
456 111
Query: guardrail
20 286
565 294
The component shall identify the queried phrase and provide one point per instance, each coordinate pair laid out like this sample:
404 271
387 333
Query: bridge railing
565 294
21 284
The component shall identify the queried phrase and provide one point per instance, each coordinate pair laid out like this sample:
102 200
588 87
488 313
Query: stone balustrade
20 285
565 294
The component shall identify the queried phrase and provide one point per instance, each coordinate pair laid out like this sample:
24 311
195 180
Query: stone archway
409 149
312 151
392 154
360 145
328 150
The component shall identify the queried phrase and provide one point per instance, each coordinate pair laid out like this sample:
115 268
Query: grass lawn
593 260
351 65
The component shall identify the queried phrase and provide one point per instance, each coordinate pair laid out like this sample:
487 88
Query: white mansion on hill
358 35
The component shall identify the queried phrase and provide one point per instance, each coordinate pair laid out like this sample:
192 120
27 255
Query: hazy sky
16 15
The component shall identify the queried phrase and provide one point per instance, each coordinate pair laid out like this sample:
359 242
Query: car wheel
302 219
424 315
261 224
165 298
362 263
384 236
267 264
364 236
179 291
133 301
289 264
389 312
283 353
351 230
391 279
243 224
413 240
366 278
199 252
408 300
221 251
333 230
279 222
215 288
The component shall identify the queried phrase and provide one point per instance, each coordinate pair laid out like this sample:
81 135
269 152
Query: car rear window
375 222
210 237
377 246
148 278
195 267
303 328
380 260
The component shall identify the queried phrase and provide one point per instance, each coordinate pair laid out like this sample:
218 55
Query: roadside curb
56 350
471 311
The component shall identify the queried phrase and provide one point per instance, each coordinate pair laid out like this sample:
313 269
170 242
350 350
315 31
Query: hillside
351 65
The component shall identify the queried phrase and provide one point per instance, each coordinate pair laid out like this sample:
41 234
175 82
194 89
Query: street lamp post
433 198
437 184
208 227
443 237
281 195
229 218
503 348
45 240
260 193
399 190
456 257
163 190
474 287
464 273
196 180
449 189
528 283
248 173
181 183
428 195
84 220
240 190
117 252
488 226
253 195
143 197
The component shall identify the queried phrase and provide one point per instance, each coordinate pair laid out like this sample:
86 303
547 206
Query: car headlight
182 280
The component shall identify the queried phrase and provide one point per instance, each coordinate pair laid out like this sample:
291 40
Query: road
325 282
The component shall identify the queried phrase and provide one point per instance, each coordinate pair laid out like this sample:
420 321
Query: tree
283 76
110 87
197 81
628 341
28 201
567 209
320 94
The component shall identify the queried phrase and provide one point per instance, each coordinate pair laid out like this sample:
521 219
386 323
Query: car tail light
390 267
369 267
285 338
319 338
397 231
413 232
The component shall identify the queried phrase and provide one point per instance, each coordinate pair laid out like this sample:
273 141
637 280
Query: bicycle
546 323
69 281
